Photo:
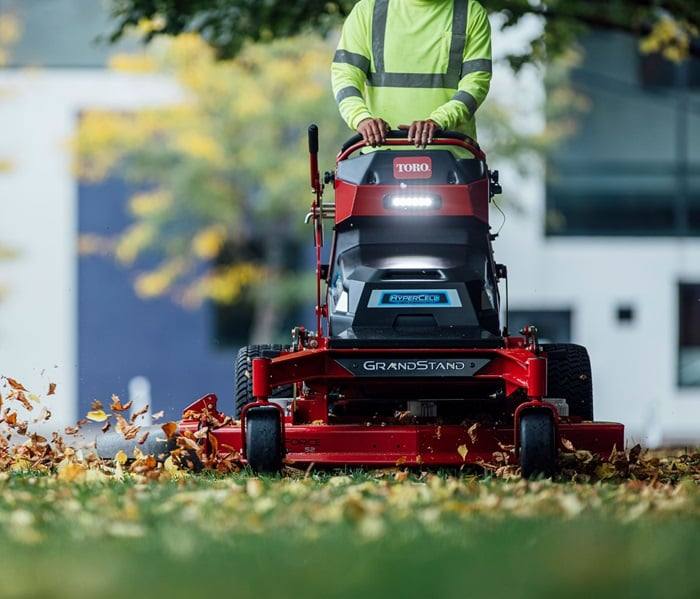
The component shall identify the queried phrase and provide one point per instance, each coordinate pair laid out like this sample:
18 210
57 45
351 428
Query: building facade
610 239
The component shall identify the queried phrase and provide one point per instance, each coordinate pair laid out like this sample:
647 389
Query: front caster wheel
263 439
538 444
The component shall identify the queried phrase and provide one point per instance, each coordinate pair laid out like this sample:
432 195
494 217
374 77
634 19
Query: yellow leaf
462 451
71 471
97 415
605 470
21 465
120 457
254 488
401 475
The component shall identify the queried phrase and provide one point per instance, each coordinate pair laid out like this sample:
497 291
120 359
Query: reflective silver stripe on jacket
450 79
468 100
356 60
347 92
476 65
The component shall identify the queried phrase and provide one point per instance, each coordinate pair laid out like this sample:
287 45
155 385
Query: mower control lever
313 139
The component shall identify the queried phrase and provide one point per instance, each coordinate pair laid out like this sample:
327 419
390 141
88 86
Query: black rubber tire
538 444
569 377
243 381
263 439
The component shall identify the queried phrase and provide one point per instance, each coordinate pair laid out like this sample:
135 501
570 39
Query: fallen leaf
605 470
52 389
471 431
117 405
96 405
22 398
139 412
462 451
120 457
128 431
106 427
97 415
16 385
169 428
45 415
254 488
70 471
401 475
158 415
142 440
568 445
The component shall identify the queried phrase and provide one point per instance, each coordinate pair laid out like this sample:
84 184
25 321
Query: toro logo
419 167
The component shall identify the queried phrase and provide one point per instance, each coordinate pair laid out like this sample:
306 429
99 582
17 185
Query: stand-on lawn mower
409 363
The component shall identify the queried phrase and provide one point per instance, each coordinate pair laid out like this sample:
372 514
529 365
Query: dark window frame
688 326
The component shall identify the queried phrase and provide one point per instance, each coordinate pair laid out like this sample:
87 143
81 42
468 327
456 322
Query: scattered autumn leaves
72 456
75 459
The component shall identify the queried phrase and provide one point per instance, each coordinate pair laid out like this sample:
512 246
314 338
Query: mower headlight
405 201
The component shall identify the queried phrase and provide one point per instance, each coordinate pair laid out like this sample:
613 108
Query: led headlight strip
407 201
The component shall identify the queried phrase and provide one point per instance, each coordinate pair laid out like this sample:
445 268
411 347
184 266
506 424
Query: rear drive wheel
263 439
243 381
569 377
538 449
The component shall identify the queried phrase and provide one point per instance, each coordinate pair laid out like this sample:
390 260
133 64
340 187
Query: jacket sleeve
476 73
351 65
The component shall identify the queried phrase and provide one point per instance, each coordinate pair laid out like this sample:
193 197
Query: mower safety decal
410 167
414 298
409 367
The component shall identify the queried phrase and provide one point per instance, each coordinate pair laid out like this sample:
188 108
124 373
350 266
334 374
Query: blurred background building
605 252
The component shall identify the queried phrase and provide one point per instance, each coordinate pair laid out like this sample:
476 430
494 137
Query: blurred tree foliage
222 175
671 25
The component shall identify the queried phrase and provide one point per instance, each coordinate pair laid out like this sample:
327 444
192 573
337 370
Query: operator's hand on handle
421 132
373 131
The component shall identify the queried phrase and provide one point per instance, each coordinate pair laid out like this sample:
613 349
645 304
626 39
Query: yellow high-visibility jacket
407 60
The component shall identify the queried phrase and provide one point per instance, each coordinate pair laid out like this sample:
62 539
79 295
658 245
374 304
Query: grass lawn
356 535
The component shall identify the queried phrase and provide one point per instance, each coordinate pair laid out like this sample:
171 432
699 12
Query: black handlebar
403 134
313 139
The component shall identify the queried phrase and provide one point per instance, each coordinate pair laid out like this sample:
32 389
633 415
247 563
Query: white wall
38 217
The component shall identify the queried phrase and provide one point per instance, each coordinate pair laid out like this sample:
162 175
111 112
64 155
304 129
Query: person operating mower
421 65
